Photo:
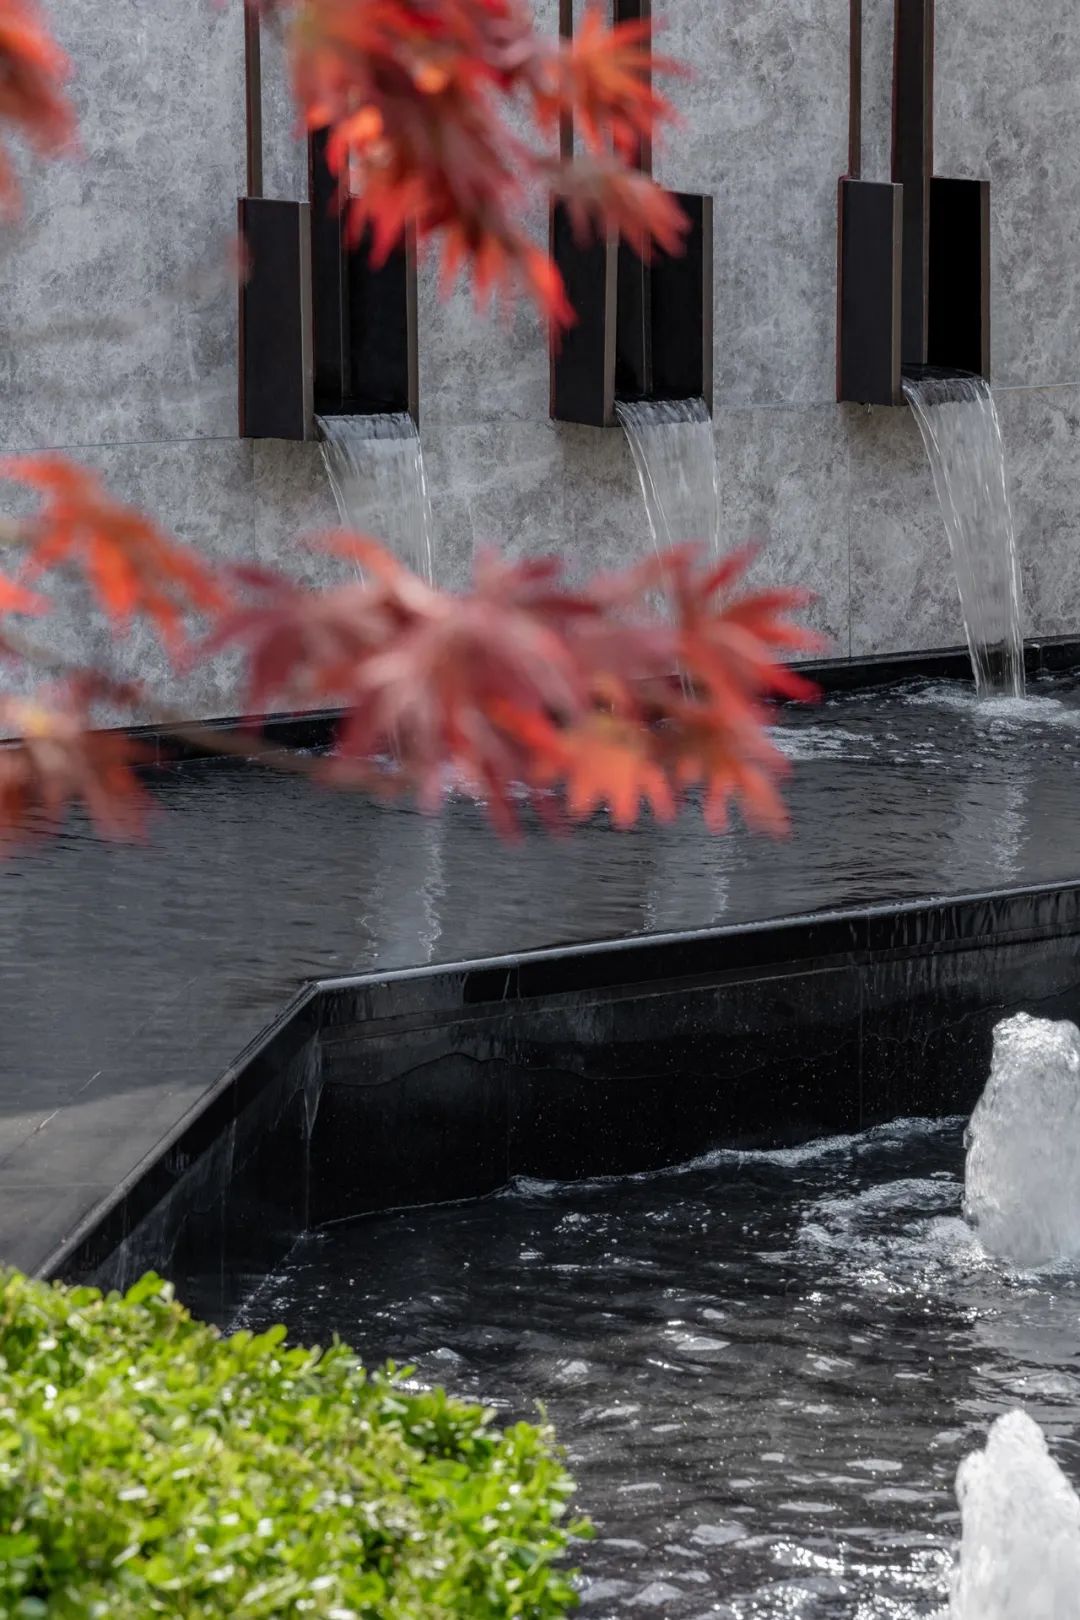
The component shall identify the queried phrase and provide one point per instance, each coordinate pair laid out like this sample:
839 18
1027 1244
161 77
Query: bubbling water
1020 1548
1022 1177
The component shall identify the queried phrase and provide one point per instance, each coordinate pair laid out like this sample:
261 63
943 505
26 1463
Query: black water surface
765 1367
131 977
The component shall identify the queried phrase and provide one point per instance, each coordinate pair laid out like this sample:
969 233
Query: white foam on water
1022 1176
1020 1544
1004 713
818 1151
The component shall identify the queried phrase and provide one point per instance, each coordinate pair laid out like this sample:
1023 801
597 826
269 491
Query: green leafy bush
149 1466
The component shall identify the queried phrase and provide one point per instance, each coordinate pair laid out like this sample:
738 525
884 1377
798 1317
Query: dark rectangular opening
364 316
681 309
959 277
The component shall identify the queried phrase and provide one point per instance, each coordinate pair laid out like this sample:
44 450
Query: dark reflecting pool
765 1367
131 977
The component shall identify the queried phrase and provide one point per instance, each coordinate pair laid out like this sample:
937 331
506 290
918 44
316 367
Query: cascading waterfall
675 456
376 469
959 424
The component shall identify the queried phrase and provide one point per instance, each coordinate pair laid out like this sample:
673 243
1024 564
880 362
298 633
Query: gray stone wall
119 330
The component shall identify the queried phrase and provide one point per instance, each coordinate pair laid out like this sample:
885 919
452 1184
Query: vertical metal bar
253 97
636 11
855 91
566 122
412 326
912 162
634 300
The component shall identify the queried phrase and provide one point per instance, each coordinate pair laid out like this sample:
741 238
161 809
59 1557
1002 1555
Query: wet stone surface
765 1367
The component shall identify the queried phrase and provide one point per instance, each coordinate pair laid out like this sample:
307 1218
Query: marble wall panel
118 319
902 590
119 322
764 129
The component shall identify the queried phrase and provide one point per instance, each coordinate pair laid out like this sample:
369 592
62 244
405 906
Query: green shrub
149 1466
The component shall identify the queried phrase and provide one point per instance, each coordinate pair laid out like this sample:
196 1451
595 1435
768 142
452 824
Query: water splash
675 456
1022 1177
376 469
1020 1547
959 424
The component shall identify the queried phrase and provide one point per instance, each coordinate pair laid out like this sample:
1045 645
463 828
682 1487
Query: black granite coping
440 1083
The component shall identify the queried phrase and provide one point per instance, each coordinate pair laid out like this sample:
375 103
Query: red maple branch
422 100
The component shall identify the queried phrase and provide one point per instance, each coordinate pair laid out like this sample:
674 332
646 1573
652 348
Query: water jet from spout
376 469
674 453
959 424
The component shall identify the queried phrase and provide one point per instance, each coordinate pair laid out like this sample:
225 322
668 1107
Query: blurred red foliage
424 103
57 762
130 565
33 73
525 684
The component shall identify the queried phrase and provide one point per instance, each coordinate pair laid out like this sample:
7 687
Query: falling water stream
959 424
376 469
675 456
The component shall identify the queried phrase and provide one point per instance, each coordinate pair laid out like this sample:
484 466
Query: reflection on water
150 968
766 1367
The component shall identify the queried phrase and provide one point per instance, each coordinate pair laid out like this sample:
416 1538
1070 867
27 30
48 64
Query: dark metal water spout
321 327
914 273
644 329
364 315
275 370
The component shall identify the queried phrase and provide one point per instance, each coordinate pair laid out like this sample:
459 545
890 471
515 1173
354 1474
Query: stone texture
784 483
878 18
1042 437
765 131
902 590
1007 109
494 484
117 321
285 164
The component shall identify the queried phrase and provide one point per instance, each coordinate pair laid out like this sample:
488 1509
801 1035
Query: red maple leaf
604 77
600 194
33 72
417 97
131 566
56 762
523 683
